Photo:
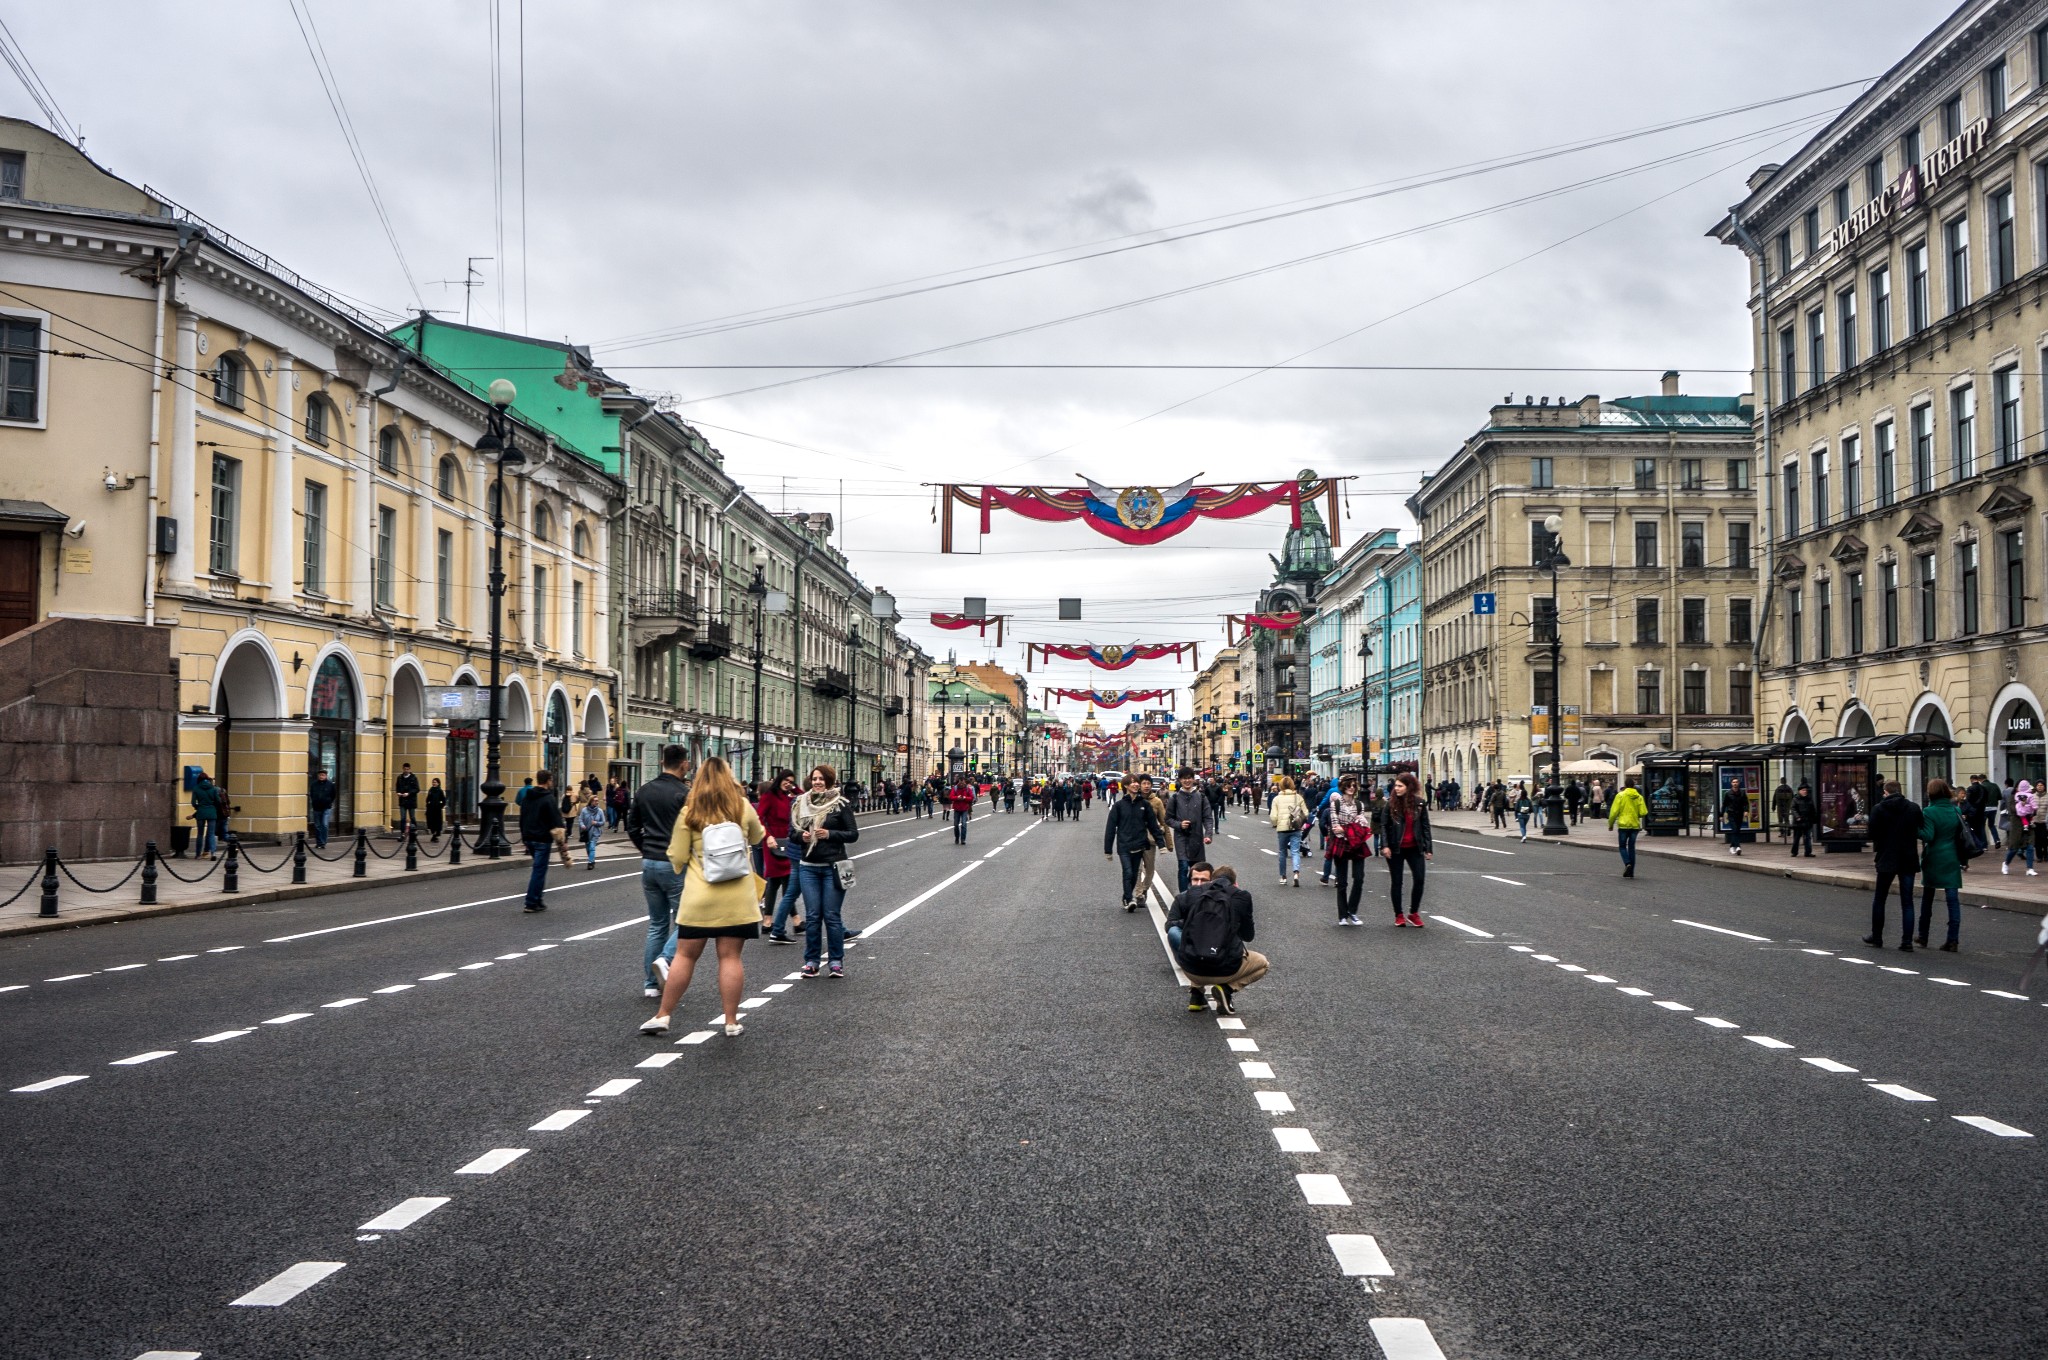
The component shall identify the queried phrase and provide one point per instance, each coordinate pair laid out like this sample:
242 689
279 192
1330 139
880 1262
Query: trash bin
181 840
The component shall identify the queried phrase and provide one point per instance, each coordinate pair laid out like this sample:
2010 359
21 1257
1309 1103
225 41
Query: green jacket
1627 810
206 802
1939 824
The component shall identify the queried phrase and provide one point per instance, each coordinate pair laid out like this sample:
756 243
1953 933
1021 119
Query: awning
1898 744
32 512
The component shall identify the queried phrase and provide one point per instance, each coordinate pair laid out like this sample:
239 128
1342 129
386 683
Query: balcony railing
663 616
831 683
892 705
713 641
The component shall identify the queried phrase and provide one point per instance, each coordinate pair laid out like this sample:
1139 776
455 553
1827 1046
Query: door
20 581
330 746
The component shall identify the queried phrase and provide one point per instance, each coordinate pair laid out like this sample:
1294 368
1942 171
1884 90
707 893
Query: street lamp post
497 439
758 588
1364 714
852 695
1553 795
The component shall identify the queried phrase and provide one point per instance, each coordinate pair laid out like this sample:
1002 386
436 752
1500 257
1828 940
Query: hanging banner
1112 657
1237 627
1109 698
956 622
1140 514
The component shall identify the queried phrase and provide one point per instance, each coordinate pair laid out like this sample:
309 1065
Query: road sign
1483 602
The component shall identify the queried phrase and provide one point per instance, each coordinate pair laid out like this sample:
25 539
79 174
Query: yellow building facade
248 462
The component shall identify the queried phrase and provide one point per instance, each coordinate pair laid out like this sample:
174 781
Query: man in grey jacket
1191 820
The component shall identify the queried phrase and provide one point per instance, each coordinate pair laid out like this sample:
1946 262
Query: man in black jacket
1132 828
540 817
650 822
1895 837
408 790
1734 814
1805 816
1209 927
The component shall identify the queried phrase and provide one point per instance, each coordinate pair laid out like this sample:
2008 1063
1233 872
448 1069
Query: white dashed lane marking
559 1120
287 1284
1721 930
1901 1092
1295 1140
404 1214
141 1058
492 1162
288 1019
1256 1071
1405 1339
1978 1121
1511 882
1827 1064
617 1086
49 1084
1358 1254
1321 1188
223 1036
1275 1102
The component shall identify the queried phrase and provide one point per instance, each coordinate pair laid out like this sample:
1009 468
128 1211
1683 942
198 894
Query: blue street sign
1482 603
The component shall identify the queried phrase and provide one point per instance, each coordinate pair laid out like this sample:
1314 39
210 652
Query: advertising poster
1666 797
1844 795
1752 780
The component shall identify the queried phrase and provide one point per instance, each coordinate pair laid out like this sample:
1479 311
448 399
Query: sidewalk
1982 883
77 907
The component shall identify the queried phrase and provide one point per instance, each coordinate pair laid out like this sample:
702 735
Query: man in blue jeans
540 817
650 822
320 807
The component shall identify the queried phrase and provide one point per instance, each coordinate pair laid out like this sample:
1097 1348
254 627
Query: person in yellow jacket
1290 817
1625 813
727 911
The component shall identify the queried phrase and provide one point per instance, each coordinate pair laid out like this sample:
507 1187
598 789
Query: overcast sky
691 161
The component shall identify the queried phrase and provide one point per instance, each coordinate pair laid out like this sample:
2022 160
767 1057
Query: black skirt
745 932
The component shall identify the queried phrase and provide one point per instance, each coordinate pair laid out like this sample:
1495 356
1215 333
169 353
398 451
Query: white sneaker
2005 867
651 993
733 1031
658 1025
661 969
2032 874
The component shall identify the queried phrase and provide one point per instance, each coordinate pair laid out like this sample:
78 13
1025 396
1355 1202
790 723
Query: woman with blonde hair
721 894
1290 817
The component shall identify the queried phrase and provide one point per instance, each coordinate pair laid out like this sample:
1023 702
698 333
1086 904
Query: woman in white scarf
821 821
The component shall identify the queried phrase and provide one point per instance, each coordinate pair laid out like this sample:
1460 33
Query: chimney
1670 382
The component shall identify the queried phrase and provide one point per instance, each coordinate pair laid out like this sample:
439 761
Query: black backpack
1208 933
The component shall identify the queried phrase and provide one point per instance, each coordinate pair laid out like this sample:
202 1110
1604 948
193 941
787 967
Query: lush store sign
1908 191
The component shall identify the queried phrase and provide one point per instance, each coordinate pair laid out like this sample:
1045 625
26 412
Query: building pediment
1850 549
1922 528
2005 502
1789 568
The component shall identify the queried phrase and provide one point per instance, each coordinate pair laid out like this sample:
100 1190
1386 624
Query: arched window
227 381
492 499
316 421
543 523
579 540
449 480
388 447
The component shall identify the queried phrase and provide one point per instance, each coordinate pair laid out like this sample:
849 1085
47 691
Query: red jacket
962 799
773 810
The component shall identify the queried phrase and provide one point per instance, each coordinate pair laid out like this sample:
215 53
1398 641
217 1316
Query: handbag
1966 846
844 870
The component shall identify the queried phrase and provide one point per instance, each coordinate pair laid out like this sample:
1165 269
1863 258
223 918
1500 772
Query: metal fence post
231 872
299 857
412 848
149 874
49 907
455 840
362 854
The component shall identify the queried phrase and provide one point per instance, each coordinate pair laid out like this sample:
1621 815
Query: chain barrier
165 865
65 869
249 861
379 853
341 854
33 874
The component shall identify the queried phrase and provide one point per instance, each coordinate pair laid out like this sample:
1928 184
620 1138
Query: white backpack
725 853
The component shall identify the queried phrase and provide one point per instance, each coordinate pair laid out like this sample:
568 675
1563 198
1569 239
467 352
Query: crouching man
1209 927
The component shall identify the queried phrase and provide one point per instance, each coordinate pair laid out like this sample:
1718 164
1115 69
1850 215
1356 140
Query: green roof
560 391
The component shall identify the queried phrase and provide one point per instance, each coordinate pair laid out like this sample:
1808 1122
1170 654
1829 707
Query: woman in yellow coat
728 913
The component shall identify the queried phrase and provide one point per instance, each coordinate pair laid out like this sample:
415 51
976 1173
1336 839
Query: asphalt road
1004 1135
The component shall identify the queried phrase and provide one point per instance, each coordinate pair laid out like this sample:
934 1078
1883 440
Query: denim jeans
1522 821
1183 867
590 847
822 899
663 888
959 834
538 884
2020 847
1290 853
320 820
785 904
202 839
1133 862
1802 834
1733 832
1625 841
1955 911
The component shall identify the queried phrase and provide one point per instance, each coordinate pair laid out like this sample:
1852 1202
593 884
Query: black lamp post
1553 794
497 439
1364 714
852 696
758 588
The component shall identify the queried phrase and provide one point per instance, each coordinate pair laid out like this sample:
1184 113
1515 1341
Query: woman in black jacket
821 821
1401 829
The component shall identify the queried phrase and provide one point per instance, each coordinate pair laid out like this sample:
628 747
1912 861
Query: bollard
149 874
49 882
455 840
231 872
412 848
362 854
299 858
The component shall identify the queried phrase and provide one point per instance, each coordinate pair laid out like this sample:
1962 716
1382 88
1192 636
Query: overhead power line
330 84
16 57
1184 231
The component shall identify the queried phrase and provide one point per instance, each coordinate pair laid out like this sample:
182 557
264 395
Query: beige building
1214 735
977 719
1656 611
236 456
1896 271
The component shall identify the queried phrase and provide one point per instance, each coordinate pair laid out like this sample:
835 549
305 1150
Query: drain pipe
1769 471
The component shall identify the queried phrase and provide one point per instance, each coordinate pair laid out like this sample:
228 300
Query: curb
1991 897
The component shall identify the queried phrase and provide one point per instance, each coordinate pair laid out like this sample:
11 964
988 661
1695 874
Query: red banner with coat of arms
1139 514
1110 657
956 622
1108 698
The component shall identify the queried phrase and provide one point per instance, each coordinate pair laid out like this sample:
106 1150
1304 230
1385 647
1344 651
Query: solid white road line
1460 925
1358 1254
556 1122
1243 1045
659 1060
1766 1041
404 1214
1717 1022
1827 1064
141 1058
1721 930
927 895
617 1086
1901 1092
1275 1102
1463 846
287 1284
288 1019
1511 882
223 1036
1295 1140
1320 1188
1256 1071
1978 1121
50 1084
1405 1339
497 1159
436 911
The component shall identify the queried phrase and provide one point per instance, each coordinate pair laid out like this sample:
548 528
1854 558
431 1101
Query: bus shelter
1684 789
1848 776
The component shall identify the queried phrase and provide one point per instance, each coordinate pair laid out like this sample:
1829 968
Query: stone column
184 492
282 486
602 605
362 591
475 616
426 610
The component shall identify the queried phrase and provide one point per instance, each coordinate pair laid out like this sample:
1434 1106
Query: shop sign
1916 183
2022 726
